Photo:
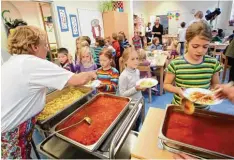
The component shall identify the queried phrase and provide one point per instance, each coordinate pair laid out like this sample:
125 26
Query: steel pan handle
125 129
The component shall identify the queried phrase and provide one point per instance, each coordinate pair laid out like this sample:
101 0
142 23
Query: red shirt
116 46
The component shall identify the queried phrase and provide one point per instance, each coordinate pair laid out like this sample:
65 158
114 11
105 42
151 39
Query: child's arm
114 82
215 80
169 79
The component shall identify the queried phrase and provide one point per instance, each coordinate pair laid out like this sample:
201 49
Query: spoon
86 119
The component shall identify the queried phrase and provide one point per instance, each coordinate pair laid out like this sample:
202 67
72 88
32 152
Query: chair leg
150 95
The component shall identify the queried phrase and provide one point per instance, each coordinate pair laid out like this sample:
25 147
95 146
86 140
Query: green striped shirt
193 75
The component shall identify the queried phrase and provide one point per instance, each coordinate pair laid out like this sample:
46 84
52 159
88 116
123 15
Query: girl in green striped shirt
195 69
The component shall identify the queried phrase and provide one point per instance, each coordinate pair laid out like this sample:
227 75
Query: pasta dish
209 99
59 103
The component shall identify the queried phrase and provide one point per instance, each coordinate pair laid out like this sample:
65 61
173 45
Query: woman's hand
138 88
183 156
82 78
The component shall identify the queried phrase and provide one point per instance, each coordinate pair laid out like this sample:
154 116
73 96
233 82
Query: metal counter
56 148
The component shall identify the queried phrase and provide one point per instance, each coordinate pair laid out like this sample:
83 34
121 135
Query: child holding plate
194 69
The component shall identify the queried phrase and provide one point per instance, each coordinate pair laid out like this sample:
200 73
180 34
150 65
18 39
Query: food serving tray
86 90
94 146
171 144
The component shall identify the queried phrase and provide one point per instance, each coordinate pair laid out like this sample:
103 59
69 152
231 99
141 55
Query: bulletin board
91 23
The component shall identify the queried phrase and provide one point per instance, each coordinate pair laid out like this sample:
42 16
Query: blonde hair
81 42
115 36
85 49
126 55
142 55
200 29
22 39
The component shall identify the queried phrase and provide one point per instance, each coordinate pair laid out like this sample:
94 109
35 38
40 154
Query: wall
28 11
140 9
65 39
184 7
128 8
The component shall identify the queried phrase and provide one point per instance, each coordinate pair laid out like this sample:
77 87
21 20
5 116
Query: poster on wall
62 18
74 25
91 23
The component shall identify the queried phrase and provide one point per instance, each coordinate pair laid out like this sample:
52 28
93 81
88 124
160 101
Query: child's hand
180 92
138 88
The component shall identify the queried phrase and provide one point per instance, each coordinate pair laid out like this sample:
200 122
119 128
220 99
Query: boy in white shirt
181 37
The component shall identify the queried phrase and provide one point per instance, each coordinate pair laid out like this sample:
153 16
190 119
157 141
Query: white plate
94 84
189 91
154 82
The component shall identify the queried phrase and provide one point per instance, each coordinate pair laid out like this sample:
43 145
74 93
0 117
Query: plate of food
195 95
147 82
93 84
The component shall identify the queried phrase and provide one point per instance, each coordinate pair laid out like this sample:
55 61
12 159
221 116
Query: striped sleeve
218 67
171 68
114 81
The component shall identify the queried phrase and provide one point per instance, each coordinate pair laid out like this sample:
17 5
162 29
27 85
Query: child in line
80 42
108 45
181 36
194 69
155 45
136 41
85 61
99 45
107 74
125 43
129 77
65 60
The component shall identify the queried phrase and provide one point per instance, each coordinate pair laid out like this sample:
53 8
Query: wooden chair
224 63
148 70
218 50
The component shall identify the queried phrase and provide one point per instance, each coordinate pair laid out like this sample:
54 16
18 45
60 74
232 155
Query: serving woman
25 77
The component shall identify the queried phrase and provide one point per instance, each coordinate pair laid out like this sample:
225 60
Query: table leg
161 80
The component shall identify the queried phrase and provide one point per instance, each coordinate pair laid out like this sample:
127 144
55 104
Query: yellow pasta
59 103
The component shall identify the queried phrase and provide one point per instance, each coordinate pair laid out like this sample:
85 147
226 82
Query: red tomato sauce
206 132
103 111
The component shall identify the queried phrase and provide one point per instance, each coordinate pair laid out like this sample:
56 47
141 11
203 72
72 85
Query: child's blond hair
85 49
22 39
126 54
